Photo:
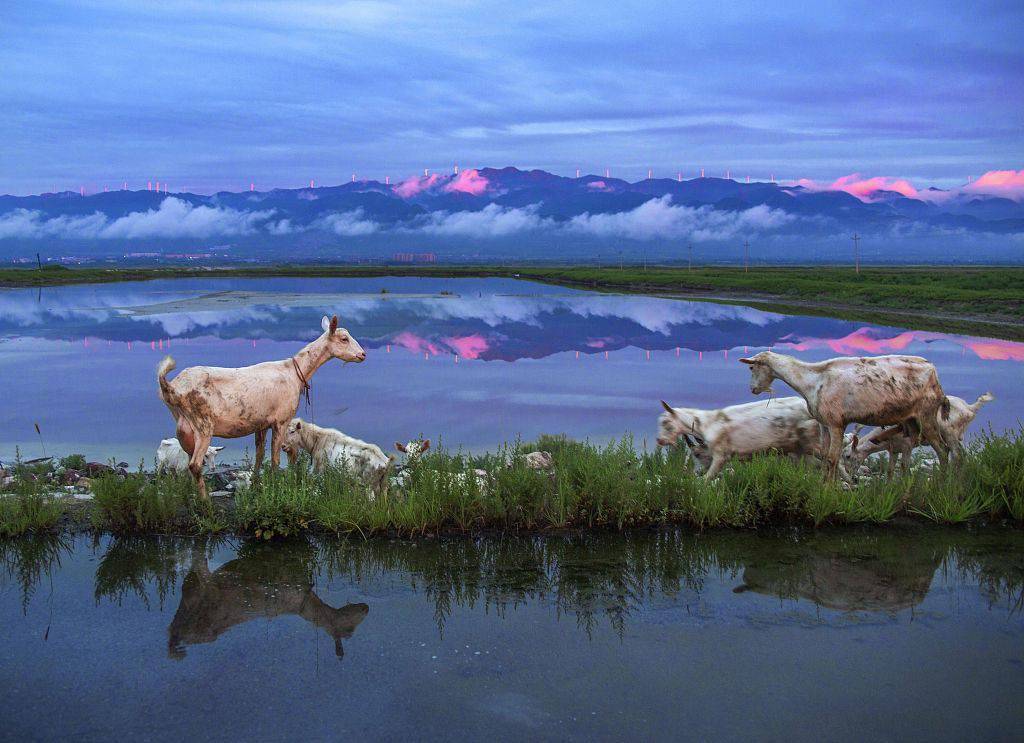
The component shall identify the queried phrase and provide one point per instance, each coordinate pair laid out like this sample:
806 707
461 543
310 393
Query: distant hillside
490 213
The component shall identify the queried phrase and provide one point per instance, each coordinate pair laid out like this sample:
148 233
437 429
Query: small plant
73 462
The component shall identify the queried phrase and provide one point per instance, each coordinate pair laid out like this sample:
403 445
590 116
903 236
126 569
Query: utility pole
746 256
856 251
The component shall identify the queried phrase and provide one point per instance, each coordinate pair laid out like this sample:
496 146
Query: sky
207 96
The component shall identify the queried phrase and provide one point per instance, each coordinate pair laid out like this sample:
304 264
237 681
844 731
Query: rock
7 481
95 469
83 496
84 482
220 494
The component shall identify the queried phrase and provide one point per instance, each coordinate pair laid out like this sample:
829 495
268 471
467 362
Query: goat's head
340 343
211 455
761 373
292 443
672 427
414 448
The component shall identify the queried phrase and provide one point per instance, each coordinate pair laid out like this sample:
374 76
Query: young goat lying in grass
414 450
332 448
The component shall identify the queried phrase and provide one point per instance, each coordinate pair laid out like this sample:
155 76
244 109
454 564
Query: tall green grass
611 486
29 508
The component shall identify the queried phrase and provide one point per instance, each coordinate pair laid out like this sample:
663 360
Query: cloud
174 218
865 189
491 221
659 218
468 181
350 224
412 186
177 218
1006 183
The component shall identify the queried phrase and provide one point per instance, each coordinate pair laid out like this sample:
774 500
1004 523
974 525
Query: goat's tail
166 393
944 408
982 399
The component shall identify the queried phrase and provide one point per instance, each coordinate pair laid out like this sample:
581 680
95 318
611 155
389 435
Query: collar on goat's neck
792 371
312 357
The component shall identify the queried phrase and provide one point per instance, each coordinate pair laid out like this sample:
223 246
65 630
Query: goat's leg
195 464
261 440
933 437
835 447
276 442
905 456
718 461
890 463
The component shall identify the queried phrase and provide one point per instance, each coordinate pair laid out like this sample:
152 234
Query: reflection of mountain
488 327
264 581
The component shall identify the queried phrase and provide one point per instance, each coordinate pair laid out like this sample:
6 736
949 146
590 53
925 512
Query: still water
476 362
909 633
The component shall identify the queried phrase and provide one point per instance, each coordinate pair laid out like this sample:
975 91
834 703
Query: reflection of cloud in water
872 341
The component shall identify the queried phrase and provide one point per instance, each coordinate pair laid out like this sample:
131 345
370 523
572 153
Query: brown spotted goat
877 391
208 401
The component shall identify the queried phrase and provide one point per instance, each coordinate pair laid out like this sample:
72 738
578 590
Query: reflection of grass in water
599 577
600 487
27 558
131 564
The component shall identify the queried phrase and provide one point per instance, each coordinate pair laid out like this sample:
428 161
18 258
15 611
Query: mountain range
492 212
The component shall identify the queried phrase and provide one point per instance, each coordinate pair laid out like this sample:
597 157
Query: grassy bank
978 300
591 487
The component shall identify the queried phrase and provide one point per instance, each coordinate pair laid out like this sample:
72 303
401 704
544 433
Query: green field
978 300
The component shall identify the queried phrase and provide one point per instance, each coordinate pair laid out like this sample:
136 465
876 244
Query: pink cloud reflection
416 344
863 341
467 346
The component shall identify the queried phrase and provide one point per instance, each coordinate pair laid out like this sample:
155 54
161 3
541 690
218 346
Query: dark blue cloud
214 95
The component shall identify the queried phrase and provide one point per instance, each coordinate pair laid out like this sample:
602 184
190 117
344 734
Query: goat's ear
334 324
325 323
668 408
298 424
748 361
400 447
856 440
217 448
426 445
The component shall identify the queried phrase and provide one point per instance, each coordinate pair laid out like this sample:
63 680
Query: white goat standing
208 401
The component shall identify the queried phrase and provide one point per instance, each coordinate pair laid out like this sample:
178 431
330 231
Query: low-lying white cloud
491 221
175 218
349 224
659 218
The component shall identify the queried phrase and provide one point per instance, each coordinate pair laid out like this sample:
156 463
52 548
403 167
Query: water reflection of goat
846 582
261 582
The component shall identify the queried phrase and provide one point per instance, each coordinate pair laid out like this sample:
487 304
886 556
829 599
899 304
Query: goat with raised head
208 401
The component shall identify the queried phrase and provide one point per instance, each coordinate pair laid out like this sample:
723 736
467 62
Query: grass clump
29 509
137 503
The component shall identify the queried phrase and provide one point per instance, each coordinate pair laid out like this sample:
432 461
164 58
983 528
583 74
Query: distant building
414 258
